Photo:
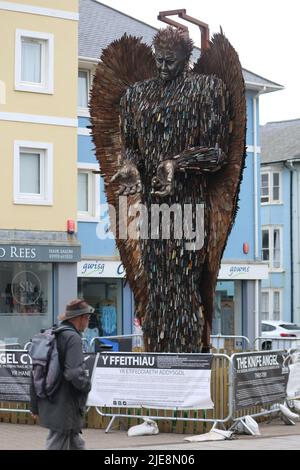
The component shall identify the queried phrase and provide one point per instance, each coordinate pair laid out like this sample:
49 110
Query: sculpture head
173 49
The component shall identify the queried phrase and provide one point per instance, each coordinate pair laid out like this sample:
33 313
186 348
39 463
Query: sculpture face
170 63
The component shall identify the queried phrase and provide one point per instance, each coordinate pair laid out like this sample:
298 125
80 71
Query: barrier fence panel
263 343
259 383
110 387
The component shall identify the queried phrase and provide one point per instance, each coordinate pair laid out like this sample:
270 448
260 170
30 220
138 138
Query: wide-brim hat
76 309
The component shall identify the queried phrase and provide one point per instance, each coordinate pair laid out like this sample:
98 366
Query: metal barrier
267 343
218 341
258 409
10 346
221 394
134 348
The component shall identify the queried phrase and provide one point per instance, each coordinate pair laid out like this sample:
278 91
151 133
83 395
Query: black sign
259 378
15 370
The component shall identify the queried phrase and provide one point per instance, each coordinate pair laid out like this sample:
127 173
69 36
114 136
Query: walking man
63 414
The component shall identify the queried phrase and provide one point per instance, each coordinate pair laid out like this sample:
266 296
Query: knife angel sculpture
170 139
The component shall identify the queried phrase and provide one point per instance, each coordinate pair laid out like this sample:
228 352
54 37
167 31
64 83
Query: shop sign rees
15 252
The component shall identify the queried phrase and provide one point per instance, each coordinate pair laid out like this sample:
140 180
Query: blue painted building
280 204
100 278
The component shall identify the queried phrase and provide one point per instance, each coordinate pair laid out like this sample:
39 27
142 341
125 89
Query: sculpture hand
128 178
163 182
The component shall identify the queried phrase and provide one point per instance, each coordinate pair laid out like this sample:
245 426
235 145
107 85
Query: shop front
101 283
237 300
36 281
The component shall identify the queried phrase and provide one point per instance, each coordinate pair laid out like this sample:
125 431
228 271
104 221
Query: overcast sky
265 33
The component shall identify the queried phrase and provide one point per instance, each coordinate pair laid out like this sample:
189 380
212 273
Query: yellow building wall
66 5
28 217
63 102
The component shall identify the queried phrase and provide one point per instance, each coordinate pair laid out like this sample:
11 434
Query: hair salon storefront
36 282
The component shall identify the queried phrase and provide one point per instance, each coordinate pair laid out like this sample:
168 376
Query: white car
283 331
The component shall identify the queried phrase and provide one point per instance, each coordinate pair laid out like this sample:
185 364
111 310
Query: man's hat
76 308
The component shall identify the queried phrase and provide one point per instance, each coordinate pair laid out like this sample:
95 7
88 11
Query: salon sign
98 268
40 253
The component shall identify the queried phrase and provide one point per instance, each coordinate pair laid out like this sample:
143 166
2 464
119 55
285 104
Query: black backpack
46 368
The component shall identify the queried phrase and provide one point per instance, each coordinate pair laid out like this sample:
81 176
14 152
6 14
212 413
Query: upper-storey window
34 62
88 193
33 173
270 187
272 246
83 88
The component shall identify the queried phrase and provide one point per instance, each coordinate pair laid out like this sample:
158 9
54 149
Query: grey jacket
65 411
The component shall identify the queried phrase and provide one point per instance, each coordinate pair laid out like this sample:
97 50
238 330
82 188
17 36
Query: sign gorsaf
16 252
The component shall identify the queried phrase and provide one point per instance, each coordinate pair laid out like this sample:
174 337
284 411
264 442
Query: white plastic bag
247 425
147 428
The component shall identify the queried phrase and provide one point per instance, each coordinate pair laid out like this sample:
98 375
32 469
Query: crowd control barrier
221 396
260 380
247 383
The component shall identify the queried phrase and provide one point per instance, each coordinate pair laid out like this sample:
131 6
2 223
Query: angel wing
123 63
222 60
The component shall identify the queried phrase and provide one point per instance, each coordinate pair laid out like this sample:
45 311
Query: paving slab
275 435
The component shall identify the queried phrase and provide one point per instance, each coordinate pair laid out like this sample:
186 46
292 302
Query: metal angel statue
172 140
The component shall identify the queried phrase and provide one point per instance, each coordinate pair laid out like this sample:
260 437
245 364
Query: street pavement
274 436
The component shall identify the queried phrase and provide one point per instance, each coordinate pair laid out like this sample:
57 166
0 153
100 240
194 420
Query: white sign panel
167 381
243 271
100 269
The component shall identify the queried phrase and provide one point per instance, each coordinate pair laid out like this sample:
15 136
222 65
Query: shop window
227 308
33 173
34 62
25 300
105 295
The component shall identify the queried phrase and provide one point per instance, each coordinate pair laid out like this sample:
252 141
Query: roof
280 141
100 24
254 81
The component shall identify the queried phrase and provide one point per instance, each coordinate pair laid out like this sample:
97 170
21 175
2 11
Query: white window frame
45 198
84 111
271 292
271 229
270 174
93 212
47 63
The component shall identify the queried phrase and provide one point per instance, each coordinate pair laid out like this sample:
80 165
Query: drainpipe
256 227
289 164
